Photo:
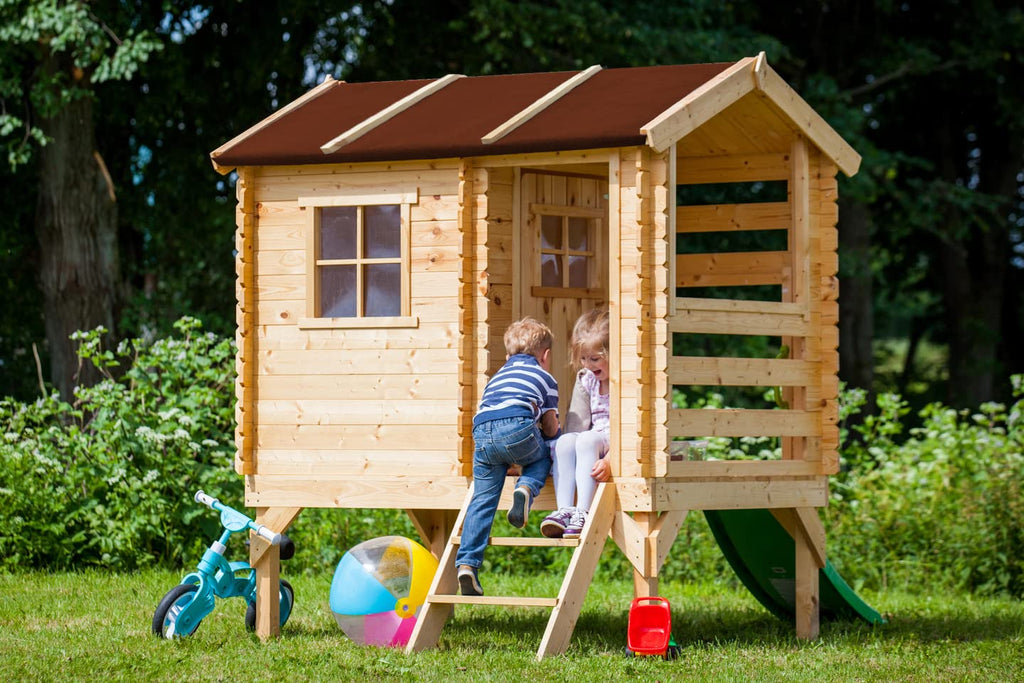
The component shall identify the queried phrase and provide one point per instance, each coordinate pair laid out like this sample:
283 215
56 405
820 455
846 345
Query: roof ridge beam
700 105
539 105
384 115
328 84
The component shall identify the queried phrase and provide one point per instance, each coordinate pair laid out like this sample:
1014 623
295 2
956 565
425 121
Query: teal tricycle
187 604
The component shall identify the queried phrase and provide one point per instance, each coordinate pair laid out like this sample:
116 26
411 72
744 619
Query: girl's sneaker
555 523
575 526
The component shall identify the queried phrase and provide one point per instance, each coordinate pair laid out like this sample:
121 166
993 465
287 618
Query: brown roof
606 110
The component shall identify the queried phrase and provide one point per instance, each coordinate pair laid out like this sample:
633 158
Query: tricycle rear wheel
287 598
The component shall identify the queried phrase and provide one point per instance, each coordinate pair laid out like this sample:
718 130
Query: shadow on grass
607 632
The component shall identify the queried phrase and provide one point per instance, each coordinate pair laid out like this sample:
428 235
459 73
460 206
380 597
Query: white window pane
578 229
550 270
382 237
578 271
382 290
338 292
338 232
551 232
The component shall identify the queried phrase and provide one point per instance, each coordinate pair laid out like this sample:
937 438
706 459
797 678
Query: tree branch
106 29
905 69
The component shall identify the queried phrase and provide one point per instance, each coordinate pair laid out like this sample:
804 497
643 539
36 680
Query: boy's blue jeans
498 444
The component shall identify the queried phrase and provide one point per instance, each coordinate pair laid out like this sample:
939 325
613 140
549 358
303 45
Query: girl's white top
600 404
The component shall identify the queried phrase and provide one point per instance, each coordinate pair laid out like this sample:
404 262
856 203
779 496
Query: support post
807 594
265 559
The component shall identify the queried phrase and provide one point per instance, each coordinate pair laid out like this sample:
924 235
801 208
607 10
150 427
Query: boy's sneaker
575 526
520 509
468 582
554 524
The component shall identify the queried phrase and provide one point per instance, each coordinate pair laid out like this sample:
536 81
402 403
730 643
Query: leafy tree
960 194
21 317
52 56
937 203
165 248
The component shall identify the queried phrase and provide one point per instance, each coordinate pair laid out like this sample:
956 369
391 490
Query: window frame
313 206
593 217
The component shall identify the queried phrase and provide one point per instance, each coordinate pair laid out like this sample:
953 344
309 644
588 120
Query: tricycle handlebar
264 532
204 499
235 520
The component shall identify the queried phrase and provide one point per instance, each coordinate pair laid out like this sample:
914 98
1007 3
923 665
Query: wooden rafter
539 105
700 106
384 115
328 84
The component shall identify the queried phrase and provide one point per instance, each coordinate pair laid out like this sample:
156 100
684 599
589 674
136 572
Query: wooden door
563 258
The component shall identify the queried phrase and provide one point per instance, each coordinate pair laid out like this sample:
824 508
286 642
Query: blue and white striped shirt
521 388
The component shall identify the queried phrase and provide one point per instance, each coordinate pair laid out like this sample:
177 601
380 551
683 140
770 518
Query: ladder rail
581 570
433 615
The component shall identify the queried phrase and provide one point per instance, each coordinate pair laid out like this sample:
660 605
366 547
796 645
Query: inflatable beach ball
378 589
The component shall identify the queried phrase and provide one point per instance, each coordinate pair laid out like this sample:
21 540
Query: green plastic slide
761 553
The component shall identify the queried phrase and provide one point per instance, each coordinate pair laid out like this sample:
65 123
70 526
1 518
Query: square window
359 262
566 248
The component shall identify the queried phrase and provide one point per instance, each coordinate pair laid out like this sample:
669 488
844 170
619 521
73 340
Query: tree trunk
856 294
974 258
76 225
973 299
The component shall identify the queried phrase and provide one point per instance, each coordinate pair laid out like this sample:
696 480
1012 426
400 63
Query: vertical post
807 593
645 582
615 308
245 319
268 577
800 272
826 197
265 560
467 318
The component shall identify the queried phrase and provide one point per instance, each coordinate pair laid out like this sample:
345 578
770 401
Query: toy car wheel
165 619
672 652
287 597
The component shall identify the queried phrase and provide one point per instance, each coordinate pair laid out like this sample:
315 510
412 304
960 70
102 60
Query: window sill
358 323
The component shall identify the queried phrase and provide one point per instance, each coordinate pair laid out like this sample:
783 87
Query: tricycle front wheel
165 619
287 597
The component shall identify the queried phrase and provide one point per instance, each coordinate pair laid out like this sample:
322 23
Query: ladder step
512 601
528 541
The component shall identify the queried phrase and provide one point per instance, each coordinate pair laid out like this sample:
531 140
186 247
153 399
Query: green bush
108 479
942 506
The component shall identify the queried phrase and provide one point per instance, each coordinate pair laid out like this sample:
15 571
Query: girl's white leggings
574 456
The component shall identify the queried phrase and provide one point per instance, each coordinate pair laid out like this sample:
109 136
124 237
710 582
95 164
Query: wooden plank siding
337 402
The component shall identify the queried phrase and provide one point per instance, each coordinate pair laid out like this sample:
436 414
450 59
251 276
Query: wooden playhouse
387 233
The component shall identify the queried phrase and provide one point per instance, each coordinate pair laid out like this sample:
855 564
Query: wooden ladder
443 594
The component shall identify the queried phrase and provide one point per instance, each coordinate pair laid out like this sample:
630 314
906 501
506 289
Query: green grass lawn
96 626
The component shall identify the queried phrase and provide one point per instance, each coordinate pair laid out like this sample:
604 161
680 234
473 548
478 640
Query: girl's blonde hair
589 333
